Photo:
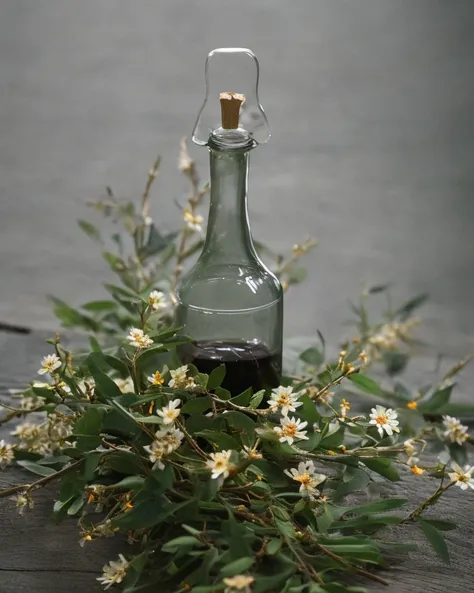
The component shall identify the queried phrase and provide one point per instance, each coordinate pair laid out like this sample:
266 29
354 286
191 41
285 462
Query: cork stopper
230 109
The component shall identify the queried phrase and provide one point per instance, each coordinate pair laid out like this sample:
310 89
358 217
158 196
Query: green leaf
220 439
440 525
202 379
35 468
464 411
395 362
359 480
407 309
175 544
365 384
90 422
270 584
216 377
436 540
77 505
237 567
366 553
312 356
130 483
309 410
256 399
439 399
143 515
285 528
91 463
274 546
90 230
377 506
197 405
243 399
95 306
104 384
382 467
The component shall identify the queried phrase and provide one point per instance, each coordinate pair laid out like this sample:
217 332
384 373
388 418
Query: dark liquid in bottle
248 364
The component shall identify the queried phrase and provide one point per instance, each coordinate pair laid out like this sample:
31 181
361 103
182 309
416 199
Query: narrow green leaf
104 384
436 540
440 525
237 567
90 230
77 505
35 468
438 400
220 439
274 546
96 306
197 405
377 506
175 544
407 309
256 399
366 384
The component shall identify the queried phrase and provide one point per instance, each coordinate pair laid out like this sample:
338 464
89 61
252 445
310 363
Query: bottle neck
228 237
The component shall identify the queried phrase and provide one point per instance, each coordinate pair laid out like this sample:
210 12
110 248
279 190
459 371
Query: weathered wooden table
37 556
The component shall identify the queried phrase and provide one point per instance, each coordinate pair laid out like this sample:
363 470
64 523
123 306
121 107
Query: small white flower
157 300
455 431
49 364
170 439
6 454
385 420
462 476
193 221
125 385
291 429
251 453
219 464
179 380
240 582
23 502
156 379
284 398
138 338
307 477
156 452
170 412
114 572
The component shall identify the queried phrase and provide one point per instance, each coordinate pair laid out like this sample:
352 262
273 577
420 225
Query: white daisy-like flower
49 364
138 338
170 439
283 398
290 430
239 582
462 476
193 221
180 380
156 379
157 300
385 420
455 432
306 475
156 452
114 572
6 454
170 413
219 464
23 502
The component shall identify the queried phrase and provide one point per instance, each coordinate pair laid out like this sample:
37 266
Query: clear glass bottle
229 302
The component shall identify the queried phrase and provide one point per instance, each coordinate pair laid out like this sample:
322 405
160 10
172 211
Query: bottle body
229 302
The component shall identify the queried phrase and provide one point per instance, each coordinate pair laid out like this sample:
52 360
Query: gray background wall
370 102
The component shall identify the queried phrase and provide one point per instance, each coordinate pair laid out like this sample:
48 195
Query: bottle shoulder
228 286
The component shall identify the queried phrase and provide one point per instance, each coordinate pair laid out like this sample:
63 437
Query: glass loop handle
233 70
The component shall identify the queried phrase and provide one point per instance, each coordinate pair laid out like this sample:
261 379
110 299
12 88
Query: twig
42 482
429 501
344 562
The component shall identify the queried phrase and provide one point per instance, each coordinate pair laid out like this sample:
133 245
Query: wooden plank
44 557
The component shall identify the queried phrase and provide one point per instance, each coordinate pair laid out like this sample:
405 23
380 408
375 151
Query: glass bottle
229 302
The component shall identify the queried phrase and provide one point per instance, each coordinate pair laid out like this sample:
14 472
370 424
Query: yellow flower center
157 378
290 430
283 400
417 470
463 478
303 479
381 419
412 405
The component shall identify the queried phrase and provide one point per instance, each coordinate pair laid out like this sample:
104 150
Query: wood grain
37 556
